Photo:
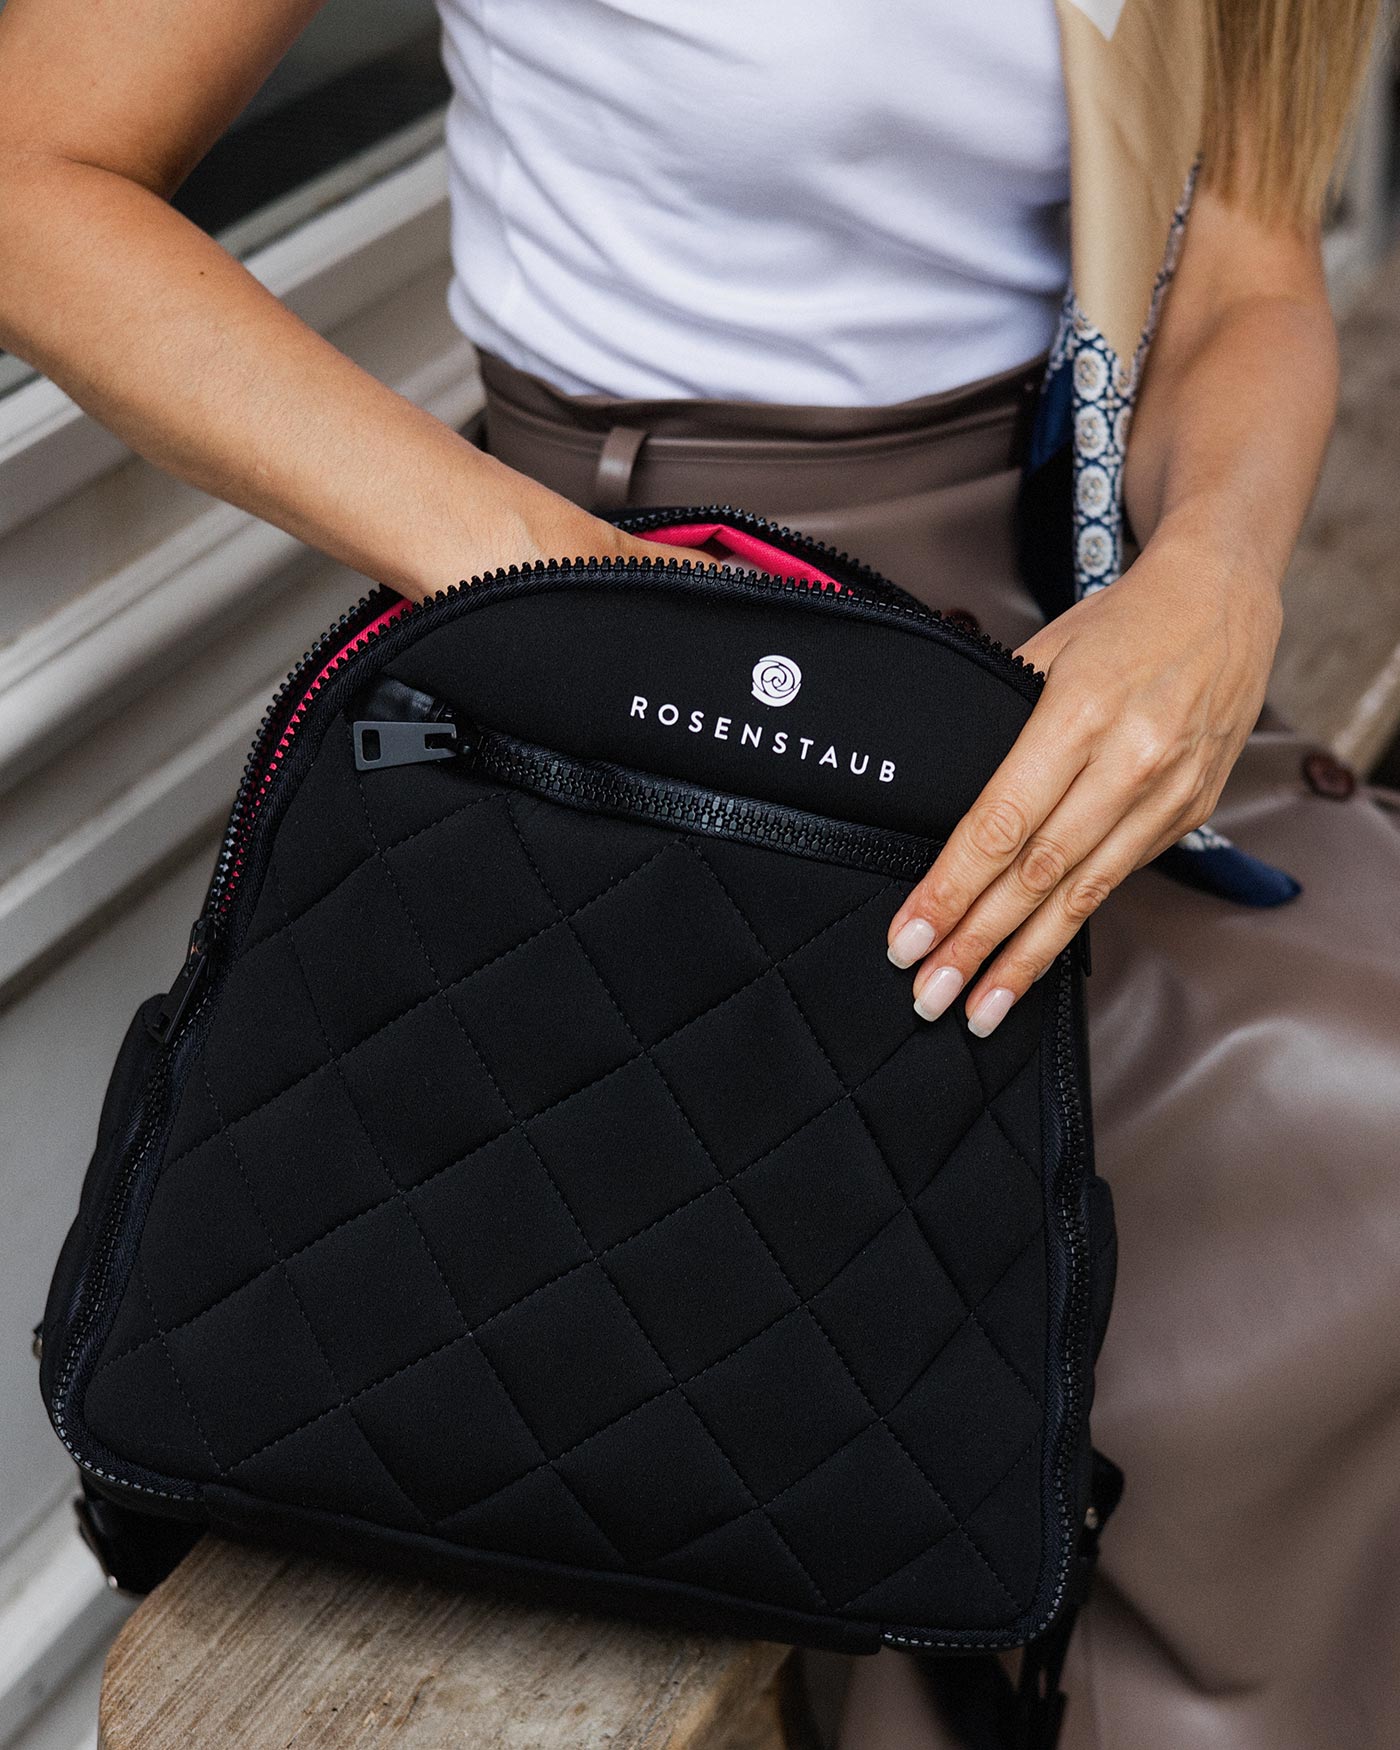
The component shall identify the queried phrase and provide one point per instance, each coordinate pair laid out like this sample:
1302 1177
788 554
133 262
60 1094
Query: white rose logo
776 680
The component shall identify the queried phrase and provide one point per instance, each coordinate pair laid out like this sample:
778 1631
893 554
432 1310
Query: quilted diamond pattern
752 1072
622 1153
210 1197
360 961
821 1198
308 1166
652 1515
490 905
583 1189
524 1010
675 899
422 1096
852 1552
500 1226
453 1457
356 1342
708 1254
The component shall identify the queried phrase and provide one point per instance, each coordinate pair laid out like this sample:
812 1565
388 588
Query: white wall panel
143 627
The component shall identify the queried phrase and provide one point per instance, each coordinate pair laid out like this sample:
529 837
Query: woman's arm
161 335
1154 684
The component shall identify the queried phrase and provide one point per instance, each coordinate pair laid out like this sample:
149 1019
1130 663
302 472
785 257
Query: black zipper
615 789
279 718
1068 1196
1069 1148
259 769
188 985
144 1134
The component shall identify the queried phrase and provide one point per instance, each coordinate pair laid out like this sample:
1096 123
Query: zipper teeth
265 757
88 1292
806 546
888 593
675 802
1066 1193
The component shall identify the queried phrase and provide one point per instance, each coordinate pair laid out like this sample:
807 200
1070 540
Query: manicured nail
911 942
990 1012
938 991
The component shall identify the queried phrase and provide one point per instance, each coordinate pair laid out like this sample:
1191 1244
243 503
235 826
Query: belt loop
612 483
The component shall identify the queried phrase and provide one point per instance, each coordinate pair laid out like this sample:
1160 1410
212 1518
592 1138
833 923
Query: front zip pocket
381 623
638 795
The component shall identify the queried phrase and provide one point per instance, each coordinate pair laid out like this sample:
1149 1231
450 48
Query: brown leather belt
607 453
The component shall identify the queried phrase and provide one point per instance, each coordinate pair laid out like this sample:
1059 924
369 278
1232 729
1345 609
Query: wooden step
250 1649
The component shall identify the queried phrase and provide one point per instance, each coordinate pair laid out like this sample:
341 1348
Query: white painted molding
341 261
361 250
56 1612
77 664
112 851
188 573
333 185
74 669
48 449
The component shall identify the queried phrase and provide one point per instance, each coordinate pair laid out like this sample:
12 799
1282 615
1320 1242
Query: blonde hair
1281 83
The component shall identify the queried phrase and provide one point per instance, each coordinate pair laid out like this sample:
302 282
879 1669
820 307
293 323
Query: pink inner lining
389 615
759 552
279 753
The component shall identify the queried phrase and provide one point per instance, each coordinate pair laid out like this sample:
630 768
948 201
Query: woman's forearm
165 338
1237 406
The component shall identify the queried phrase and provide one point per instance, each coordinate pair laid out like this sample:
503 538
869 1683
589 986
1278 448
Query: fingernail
911 942
990 1012
938 991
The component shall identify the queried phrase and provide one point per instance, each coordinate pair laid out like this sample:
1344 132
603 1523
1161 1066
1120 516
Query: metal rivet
1328 776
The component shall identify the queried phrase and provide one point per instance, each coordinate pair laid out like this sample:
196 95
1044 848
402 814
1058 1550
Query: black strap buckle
1040 1702
134 1550
986 1709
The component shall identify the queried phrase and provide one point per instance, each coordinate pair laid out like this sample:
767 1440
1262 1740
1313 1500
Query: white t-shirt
850 202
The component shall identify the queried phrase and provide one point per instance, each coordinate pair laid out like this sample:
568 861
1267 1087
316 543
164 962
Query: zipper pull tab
188 982
404 744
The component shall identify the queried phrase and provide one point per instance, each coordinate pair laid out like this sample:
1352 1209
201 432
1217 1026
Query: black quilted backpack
537 1176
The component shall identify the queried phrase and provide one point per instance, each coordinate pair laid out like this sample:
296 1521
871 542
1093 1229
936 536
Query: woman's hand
1152 687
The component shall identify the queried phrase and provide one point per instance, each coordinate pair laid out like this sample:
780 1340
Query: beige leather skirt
1246 1070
